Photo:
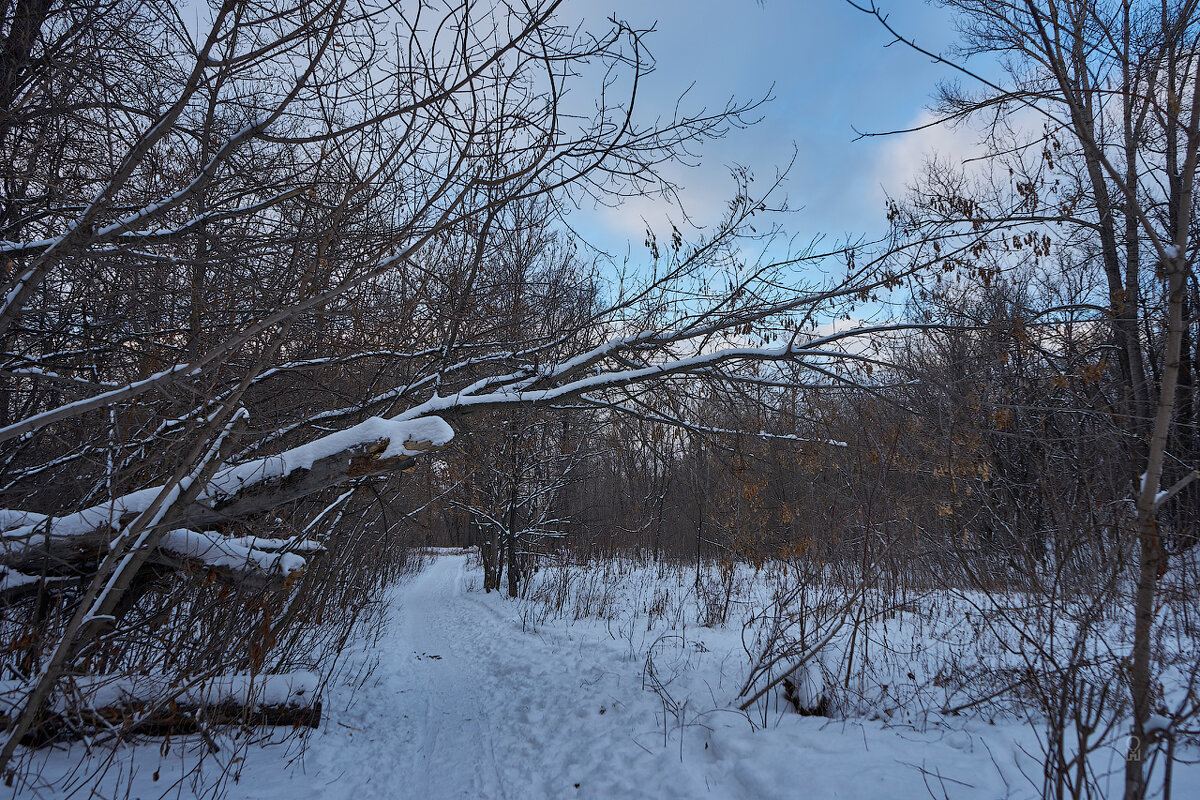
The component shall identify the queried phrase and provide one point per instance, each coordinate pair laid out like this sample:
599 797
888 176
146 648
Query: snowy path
463 704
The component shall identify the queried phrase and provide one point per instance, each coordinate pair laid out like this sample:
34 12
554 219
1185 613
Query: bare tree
1091 144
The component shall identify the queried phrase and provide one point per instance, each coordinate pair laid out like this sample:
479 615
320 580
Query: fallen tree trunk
123 706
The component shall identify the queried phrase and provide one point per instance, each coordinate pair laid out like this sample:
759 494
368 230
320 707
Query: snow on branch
372 447
245 559
564 382
397 439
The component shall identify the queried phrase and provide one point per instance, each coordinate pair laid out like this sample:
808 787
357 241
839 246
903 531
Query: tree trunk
119 705
1150 563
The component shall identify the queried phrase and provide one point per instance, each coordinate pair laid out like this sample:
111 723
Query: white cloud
703 198
904 155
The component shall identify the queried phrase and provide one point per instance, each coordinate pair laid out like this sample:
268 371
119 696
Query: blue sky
831 73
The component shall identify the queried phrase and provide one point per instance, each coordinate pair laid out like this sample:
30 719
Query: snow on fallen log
15 585
13 518
372 447
150 705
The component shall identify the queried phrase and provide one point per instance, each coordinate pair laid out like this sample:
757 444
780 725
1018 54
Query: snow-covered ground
473 695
